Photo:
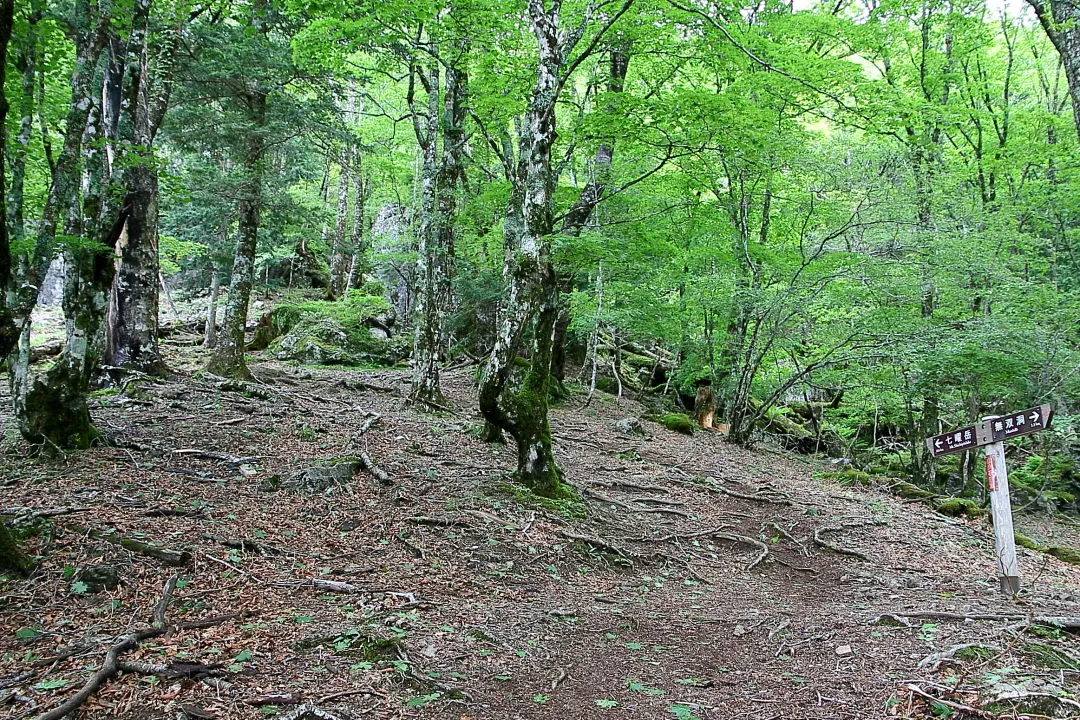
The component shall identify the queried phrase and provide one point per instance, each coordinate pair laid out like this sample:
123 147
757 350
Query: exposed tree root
714 488
763 549
111 666
822 542
597 543
899 618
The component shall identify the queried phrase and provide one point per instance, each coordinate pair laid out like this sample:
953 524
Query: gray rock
320 478
631 426
99 578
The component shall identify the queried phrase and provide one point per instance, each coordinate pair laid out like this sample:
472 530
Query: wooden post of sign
997 479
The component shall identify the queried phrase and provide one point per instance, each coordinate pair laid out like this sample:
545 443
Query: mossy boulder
1065 553
955 507
353 332
607 384
908 491
676 422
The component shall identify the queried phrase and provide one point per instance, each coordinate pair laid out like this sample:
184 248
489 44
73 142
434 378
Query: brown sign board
956 441
993 430
1021 423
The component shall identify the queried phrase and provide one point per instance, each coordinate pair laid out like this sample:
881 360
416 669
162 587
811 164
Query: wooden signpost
990 435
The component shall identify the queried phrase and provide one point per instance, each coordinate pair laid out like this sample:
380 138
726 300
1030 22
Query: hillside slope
453 594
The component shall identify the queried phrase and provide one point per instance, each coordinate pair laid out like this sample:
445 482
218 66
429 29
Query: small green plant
605 703
682 712
540 698
422 700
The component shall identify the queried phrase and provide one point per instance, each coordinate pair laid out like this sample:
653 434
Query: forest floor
455 595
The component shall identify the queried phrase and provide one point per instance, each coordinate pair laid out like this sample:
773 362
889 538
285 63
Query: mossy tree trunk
427 320
228 357
440 177
52 410
12 558
20 289
131 338
520 407
9 333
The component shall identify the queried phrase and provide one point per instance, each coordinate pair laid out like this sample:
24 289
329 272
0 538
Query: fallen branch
435 521
948 703
223 457
1062 622
28 515
310 712
176 558
367 424
366 463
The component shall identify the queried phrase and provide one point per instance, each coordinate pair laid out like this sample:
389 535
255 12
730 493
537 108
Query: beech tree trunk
131 338
427 321
578 215
514 391
339 256
228 356
440 174
1061 21
52 410
9 334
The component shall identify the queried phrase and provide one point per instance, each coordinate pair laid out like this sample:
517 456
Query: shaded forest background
854 222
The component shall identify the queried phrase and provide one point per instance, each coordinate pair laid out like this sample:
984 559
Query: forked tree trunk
440 176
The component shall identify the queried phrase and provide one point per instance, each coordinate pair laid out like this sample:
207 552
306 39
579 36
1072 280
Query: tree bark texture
514 391
228 357
132 327
8 332
1061 21
52 410
440 177
427 319
578 215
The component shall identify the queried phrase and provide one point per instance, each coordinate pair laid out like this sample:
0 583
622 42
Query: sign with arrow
965 438
989 435
989 431
1021 423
